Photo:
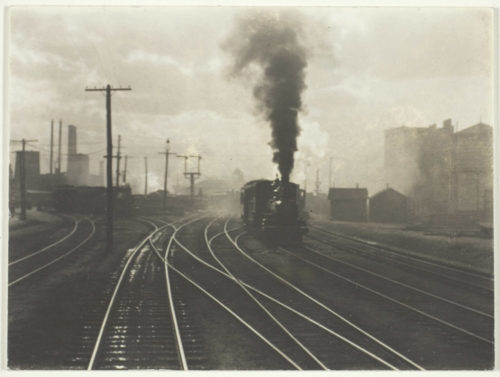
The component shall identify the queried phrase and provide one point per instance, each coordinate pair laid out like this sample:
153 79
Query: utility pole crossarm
104 89
109 166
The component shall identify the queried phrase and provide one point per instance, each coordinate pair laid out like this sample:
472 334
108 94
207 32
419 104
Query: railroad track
456 275
140 327
25 267
358 348
303 340
465 293
457 327
43 236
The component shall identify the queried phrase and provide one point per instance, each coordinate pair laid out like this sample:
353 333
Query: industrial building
446 174
78 163
389 206
473 171
348 204
31 166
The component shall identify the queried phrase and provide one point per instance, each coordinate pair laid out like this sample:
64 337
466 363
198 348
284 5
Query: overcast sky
368 69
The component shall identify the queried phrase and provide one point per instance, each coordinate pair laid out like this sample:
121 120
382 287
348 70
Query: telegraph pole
146 176
51 147
191 175
58 170
118 157
124 180
166 153
109 164
22 176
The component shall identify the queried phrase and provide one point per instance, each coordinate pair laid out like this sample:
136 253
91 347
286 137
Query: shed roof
387 191
348 193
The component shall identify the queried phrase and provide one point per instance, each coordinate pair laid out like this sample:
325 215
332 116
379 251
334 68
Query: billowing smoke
273 44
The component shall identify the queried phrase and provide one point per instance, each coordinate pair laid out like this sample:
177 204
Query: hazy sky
368 69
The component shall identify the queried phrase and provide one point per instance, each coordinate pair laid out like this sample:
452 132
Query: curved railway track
435 269
461 327
29 265
227 297
30 254
337 325
293 323
275 300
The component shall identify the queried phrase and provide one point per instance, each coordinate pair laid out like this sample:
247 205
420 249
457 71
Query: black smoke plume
273 44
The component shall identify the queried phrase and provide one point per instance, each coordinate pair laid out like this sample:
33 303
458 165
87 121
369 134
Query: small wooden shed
348 204
389 206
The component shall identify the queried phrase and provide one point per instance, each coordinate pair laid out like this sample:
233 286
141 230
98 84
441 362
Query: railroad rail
455 274
23 268
461 326
136 330
309 326
331 319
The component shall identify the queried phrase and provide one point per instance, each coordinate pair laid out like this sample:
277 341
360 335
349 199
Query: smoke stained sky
367 70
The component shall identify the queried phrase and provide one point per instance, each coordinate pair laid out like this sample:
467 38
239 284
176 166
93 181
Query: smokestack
273 44
71 140
71 169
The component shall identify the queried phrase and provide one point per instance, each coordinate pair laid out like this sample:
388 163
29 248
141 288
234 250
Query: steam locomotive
274 209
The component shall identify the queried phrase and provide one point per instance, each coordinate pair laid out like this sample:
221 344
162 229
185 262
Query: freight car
90 200
274 209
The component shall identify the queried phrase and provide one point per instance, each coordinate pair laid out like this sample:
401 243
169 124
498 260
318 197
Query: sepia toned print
250 188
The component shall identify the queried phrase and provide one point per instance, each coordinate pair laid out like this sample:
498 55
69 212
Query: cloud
368 69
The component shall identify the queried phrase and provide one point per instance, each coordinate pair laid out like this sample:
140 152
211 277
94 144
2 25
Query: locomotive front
276 209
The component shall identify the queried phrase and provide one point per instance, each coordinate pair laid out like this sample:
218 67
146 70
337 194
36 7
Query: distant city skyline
368 69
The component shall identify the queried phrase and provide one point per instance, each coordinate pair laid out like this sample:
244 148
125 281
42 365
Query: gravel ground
471 252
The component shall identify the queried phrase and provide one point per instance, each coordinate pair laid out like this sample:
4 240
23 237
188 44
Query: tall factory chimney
71 140
71 167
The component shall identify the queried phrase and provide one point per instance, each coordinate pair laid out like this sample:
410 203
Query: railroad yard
198 291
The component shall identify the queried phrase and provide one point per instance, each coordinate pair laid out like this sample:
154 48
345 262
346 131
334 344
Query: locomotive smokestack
273 44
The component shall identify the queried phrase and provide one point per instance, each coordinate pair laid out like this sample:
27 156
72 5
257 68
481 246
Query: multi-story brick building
474 171
444 173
